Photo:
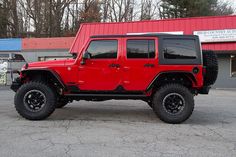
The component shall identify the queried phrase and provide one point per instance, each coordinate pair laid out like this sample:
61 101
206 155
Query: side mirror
85 56
74 55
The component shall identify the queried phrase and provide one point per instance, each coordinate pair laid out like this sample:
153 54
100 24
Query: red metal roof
227 46
187 25
47 43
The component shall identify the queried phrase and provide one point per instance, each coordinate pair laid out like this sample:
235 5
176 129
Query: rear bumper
16 84
204 90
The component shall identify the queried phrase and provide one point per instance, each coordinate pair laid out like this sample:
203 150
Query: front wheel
61 102
35 101
173 103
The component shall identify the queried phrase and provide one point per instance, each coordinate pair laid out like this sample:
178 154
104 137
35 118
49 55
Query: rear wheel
150 103
173 103
35 101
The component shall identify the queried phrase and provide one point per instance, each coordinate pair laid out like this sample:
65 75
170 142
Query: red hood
52 63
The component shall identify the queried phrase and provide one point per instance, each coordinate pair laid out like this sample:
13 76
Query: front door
140 62
101 72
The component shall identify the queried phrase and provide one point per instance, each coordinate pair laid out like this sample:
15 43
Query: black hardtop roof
142 35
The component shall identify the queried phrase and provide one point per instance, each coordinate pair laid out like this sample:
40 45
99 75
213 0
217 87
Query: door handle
114 65
126 68
149 65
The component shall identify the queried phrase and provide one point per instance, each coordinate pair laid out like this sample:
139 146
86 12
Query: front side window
233 66
179 49
102 49
140 48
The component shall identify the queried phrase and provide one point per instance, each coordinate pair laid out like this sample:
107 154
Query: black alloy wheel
173 103
35 100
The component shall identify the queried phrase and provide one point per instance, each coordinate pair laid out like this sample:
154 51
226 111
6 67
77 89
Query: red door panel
100 74
137 73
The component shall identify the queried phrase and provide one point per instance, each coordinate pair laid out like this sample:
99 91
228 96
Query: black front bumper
16 84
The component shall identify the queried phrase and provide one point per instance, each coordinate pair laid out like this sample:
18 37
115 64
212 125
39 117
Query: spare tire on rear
211 65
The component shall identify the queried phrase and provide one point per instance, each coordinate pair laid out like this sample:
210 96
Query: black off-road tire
160 99
149 102
61 102
46 110
211 64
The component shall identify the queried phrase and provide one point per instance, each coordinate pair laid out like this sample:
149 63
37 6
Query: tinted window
103 49
141 49
179 48
19 58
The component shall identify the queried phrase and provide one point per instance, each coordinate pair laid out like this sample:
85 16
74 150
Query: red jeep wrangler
166 71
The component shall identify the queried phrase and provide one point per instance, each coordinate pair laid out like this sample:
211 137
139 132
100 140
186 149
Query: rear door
139 63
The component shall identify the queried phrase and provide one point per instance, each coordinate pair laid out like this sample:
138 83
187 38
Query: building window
233 66
13 57
141 49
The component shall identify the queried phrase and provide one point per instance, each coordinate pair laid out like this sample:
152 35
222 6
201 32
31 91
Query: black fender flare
52 72
190 75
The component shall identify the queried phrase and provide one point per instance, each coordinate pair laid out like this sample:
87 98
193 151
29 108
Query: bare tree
58 11
3 18
105 9
73 17
224 8
149 9
119 10
34 10
90 11
48 18
193 8
14 22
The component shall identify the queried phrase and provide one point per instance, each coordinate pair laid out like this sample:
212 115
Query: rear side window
140 48
179 49
102 49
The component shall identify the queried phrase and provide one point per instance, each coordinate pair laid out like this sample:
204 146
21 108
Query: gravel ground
121 128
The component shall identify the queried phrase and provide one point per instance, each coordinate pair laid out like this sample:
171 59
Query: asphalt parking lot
121 128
